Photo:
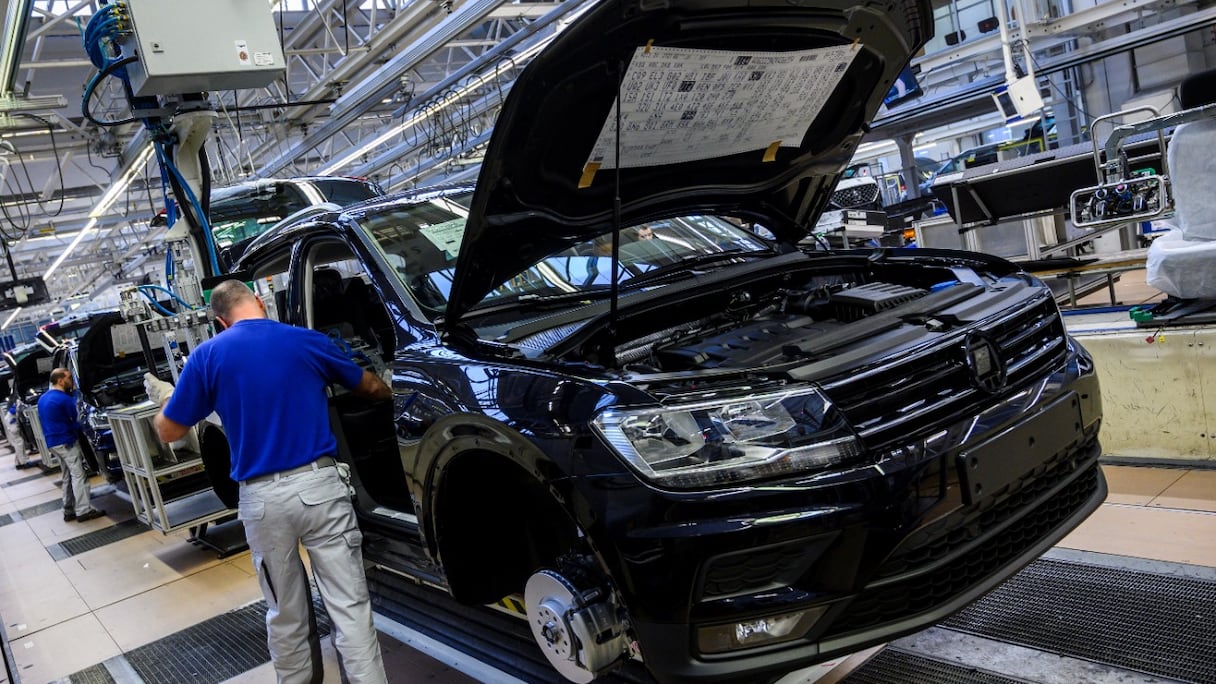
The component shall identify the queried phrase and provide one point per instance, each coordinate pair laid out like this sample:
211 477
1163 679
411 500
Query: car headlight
730 440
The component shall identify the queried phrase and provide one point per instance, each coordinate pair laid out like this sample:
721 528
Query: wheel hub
581 638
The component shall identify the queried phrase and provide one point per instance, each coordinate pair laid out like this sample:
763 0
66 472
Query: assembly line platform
1129 597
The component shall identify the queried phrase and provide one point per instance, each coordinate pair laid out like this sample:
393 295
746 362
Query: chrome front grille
856 196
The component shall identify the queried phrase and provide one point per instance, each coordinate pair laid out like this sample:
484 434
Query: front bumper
884 551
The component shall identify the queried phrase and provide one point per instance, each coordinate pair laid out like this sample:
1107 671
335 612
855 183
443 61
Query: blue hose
155 303
158 288
194 203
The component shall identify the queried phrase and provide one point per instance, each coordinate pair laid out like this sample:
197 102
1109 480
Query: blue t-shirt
266 380
57 413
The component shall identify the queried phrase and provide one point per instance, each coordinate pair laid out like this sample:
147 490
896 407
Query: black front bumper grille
756 569
943 537
913 394
923 592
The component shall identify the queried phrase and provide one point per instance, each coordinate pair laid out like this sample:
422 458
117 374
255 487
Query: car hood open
743 107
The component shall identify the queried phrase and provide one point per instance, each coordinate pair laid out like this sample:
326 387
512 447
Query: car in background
31 366
107 363
968 159
239 213
1040 135
925 168
677 441
858 188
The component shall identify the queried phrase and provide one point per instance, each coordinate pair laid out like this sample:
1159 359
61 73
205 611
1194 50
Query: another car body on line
107 363
239 213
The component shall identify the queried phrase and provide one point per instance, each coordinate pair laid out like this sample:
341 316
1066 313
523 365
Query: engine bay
757 321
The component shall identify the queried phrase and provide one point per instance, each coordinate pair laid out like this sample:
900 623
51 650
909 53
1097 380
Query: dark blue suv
676 441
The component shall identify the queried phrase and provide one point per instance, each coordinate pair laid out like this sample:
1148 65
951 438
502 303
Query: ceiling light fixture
8 321
447 100
107 200
79 236
103 205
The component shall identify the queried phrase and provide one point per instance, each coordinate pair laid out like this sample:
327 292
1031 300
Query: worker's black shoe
69 516
23 466
91 515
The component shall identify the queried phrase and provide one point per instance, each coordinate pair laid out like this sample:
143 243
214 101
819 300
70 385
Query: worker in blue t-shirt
57 413
267 382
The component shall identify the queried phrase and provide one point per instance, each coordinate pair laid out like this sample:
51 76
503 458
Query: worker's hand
158 390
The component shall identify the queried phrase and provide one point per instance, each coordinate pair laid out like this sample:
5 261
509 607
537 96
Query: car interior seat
357 300
1192 170
1182 262
327 305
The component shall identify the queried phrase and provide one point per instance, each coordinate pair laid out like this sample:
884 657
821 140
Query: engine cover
855 303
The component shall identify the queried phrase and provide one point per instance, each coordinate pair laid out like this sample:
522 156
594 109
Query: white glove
158 390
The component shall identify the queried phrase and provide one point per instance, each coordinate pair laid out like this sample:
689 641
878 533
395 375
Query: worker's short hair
58 374
227 295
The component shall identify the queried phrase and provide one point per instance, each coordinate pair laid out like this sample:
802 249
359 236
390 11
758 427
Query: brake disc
571 629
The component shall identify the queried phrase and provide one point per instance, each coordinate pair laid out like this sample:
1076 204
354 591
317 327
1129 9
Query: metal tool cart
168 487
49 460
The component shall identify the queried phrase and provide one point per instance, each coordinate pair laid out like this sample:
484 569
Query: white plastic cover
1183 268
1193 175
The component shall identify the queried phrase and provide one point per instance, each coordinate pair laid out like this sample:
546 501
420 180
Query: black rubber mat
98 674
892 666
1158 624
23 480
95 540
31 512
213 650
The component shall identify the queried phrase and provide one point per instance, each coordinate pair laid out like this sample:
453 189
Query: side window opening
341 304
271 283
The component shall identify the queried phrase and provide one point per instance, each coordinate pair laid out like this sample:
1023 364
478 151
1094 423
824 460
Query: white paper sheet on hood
683 105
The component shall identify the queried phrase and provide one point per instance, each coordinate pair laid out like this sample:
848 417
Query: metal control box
188 46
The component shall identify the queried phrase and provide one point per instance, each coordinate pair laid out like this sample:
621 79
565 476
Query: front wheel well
496 524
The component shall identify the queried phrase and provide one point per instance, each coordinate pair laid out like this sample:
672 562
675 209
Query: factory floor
95 614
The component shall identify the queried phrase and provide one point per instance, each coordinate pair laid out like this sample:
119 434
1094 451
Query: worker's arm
168 429
372 387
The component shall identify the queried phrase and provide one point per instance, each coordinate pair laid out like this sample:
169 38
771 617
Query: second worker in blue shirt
57 414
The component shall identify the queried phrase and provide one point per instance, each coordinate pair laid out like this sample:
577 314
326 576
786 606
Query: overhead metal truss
402 91
354 68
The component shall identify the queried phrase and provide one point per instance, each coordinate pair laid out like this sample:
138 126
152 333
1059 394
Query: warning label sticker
242 52
679 105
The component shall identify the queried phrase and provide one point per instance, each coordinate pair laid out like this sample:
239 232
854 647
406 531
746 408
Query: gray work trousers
13 432
75 482
311 508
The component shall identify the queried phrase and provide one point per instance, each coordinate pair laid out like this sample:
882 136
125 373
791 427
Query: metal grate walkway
207 653
1158 624
31 512
892 666
98 674
95 540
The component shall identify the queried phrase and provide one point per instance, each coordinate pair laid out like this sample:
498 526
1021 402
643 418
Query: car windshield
421 242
